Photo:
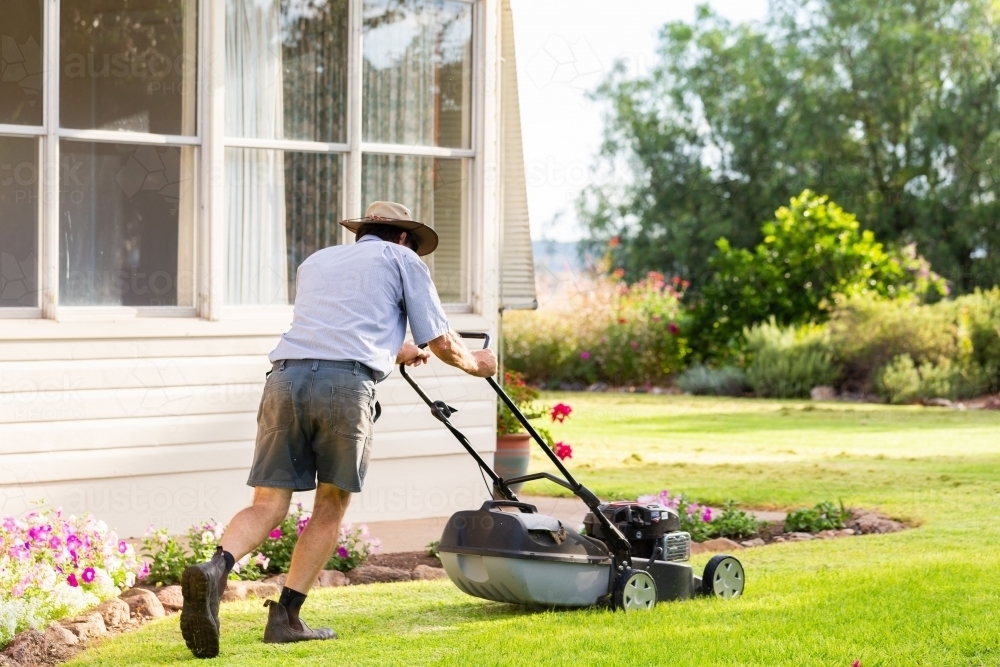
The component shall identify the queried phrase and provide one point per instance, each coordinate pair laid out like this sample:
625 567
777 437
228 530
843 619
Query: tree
891 107
812 252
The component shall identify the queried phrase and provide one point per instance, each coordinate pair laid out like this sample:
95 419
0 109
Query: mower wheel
723 577
634 590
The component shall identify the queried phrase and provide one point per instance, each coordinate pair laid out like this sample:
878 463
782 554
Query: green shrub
811 252
824 516
734 523
905 350
613 332
787 362
704 381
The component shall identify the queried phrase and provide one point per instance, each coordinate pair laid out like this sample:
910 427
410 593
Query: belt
355 367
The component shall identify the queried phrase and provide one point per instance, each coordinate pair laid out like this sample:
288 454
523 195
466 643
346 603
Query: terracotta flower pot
512 456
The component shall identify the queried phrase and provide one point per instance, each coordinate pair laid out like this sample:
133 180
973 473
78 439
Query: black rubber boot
280 631
202 586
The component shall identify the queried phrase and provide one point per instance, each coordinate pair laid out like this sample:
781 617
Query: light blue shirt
352 303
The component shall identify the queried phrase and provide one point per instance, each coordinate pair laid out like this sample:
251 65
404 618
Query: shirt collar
369 237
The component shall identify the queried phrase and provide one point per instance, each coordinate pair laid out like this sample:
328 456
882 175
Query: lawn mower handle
617 542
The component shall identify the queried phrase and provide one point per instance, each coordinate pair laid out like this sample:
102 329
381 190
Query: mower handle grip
490 504
469 334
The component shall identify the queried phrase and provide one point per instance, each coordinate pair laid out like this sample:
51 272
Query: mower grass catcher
632 556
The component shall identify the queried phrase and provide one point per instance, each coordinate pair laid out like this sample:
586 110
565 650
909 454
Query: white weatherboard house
166 165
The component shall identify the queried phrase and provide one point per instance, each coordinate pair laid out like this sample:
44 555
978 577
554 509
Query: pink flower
856 663
122 547
563 451
585 355
262 561
303 522
674 329
88 575
657 318
560 412
55 543
342 552
275 534
706 515
144 571
635 345
71 580
73 542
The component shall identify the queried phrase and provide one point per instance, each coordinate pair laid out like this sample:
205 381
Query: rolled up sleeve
423 307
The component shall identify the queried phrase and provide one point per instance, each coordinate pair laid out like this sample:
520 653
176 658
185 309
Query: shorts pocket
363 463
351 413
276 409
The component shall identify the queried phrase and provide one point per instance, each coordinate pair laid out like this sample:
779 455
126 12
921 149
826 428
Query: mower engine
652 529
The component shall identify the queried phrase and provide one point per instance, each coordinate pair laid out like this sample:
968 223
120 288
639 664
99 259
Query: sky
564 49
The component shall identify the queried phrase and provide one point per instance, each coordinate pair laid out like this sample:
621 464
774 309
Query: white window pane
18 222
281 208
286 69
436 190
126 225
417 72
129 65
21 62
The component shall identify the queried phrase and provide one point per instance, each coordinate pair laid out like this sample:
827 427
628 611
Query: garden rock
372 574
755 542
115 612
846 532
278 579
170 597
29 648
86 626
799 537
823 393
57 635
427 573
143 603
718 544
867 523
235 591
599 386
937 402
331 579
262 589
827 534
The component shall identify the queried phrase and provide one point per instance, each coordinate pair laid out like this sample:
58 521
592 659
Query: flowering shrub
610 331
824 516
524 397
700 521
353 547
168 557
53 565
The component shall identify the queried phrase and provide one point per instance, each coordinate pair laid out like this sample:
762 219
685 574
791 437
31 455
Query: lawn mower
629 556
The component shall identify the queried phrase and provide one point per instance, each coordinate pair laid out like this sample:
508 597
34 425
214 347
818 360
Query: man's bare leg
251 526
316 544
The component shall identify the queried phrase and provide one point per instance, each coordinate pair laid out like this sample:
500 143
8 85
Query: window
102 131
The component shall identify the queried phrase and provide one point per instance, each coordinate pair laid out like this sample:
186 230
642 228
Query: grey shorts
315 421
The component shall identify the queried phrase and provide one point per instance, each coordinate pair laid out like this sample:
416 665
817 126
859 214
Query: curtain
255 183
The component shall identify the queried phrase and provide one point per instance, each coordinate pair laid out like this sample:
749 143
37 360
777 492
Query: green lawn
929 596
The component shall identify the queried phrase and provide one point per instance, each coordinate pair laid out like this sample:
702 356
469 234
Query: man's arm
411 355
450 349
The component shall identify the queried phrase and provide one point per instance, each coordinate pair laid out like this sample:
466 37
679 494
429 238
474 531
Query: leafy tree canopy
892 107
811 252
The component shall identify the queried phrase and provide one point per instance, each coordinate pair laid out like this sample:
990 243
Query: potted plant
513 444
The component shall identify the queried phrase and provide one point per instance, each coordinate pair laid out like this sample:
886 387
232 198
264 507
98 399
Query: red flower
560 412
674 329
621 320
563 451
635 345
613 243
618 273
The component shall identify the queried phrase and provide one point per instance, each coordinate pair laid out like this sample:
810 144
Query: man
318 409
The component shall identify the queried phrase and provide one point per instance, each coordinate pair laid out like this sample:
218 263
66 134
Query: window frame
210 143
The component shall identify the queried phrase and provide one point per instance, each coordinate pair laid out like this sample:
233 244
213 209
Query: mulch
405 560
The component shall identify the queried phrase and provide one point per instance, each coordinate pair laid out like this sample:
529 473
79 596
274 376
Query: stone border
63 639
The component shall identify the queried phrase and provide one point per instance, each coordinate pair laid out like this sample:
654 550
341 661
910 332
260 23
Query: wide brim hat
396 215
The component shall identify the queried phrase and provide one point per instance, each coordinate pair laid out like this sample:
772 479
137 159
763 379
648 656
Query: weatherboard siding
141 428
